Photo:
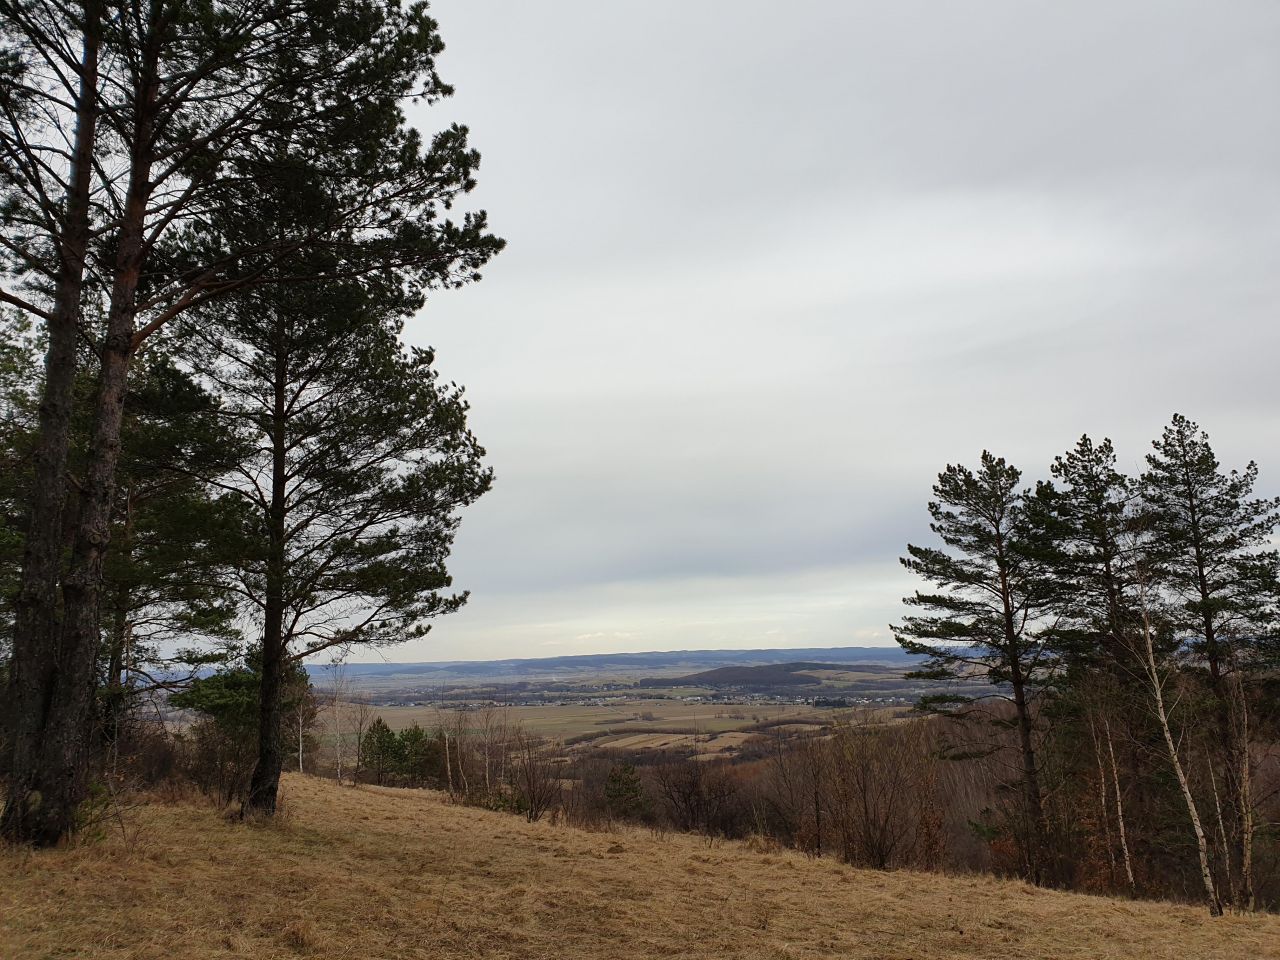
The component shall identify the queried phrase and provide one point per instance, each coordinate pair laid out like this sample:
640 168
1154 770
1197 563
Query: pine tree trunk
1031 796
265 783
121 635
33 666
1033 801
68 733
1230 819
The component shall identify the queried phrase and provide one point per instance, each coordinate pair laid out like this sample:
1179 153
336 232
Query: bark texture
33 812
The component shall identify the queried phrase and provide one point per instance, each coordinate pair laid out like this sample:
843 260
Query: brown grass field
381 873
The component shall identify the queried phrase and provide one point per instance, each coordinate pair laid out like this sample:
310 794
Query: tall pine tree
988 618
193 103
362 463
1213 554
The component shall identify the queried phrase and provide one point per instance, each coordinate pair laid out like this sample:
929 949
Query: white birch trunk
1156 684
1115 777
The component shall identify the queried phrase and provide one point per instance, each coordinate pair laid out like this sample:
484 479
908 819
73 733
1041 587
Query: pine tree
380 751
193 106
417 753
1100 552
362 463
1214 551
166 603
993 608
624 795
1213 555
19 366
1094 511
228 700
49 106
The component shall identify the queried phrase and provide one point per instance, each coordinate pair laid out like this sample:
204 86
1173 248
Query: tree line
215 220
1129 626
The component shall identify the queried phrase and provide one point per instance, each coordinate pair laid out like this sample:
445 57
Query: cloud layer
771 268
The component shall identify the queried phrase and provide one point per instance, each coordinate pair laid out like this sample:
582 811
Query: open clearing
380 873
565 721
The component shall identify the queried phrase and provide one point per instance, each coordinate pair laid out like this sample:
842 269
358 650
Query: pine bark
68 734
1031 795
32 813
264 785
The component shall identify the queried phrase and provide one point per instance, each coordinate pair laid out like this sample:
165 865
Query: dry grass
376 873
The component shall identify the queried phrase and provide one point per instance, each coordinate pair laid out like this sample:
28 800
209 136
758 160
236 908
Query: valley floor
380 873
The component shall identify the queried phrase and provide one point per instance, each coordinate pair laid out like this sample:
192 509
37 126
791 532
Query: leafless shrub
535 776
884 800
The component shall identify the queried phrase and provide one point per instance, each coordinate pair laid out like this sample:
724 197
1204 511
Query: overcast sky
771 266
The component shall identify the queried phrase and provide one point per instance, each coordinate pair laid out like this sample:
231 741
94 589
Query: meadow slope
379 873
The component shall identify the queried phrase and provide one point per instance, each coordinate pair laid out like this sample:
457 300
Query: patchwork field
380 874
701 745
578 720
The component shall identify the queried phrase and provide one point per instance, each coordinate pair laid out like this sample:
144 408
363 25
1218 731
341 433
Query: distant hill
767 676
667 661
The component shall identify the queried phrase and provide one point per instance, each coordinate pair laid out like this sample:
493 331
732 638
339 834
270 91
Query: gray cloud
770 268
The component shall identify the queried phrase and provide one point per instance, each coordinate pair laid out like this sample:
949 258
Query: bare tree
782 788
1120 821
698 794
335 697
359 716
883 792
494 731
458 753
1098 704
814 760
535 775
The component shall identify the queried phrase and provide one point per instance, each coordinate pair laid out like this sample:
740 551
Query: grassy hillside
379 873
